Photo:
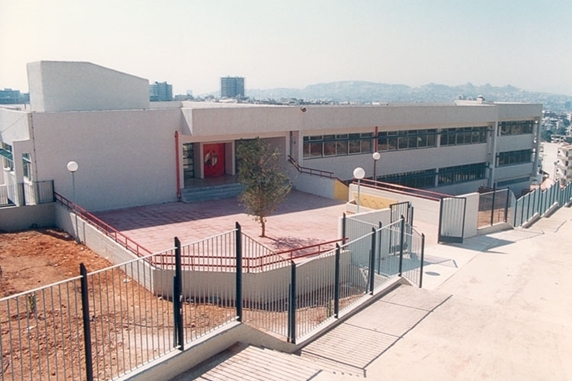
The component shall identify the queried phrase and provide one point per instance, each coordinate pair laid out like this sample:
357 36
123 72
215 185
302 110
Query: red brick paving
303 219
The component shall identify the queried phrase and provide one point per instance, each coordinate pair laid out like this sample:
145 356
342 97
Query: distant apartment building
131 152
564 164
160 92
9 96
232 87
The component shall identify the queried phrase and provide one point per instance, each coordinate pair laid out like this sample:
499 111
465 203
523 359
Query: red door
213 158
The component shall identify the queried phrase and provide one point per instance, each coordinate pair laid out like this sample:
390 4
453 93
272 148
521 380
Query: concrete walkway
498 308
508 317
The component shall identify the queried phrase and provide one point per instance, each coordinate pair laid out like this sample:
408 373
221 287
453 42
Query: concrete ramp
364 337
341 353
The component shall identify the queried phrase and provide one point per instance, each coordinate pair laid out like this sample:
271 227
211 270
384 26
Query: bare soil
41 330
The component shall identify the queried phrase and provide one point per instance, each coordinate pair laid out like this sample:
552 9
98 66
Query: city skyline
192 44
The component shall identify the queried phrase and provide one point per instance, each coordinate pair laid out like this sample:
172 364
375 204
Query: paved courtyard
302 220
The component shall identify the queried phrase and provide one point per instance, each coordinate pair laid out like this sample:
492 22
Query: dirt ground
130 325
37 258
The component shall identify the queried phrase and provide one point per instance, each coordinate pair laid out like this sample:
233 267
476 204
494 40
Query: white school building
132 152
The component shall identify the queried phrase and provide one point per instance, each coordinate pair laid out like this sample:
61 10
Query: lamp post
73 167
376 156
359 174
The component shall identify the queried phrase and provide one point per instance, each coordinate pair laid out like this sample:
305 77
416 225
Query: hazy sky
295 43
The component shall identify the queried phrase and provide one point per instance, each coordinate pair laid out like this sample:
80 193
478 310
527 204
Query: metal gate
452 219
402 209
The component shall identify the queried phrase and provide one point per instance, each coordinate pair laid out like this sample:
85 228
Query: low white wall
103 245
260 287
320 186
14 218
471 215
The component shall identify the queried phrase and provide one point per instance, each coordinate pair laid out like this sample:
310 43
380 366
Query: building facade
232 87
160 92
564 164
131 152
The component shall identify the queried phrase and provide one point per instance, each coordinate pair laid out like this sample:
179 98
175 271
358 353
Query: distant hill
368 92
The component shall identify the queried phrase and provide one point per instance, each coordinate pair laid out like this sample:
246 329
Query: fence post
292 305
337 282
379 249
422 260
371 271
86 323
401 239
493 206
344 229
178 297
506 205
238 295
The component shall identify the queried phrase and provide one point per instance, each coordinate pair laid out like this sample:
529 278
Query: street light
359 174
376 156
73 167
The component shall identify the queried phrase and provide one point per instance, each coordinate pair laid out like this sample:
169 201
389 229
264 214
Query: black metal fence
106 323
493 207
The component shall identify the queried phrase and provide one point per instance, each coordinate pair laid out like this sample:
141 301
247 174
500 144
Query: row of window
445 176
401 140
516 128
461 173
465 135
348 144
337 145
514 157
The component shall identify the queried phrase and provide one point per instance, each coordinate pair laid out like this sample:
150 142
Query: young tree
260 172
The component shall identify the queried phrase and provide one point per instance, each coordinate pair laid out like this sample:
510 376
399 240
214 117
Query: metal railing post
292 305
506 205
402 240
86 323
379 248
371 271
493 206
178 297
422 260
238 295
344 221
337 282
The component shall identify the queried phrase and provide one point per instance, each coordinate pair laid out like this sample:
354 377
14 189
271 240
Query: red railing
260 263
312 171
107 229
421 193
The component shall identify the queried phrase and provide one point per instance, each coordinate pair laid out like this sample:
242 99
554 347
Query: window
402 140
514 157
461 173
337 145
506 183
7 158
27 166
517 127
415 179
463 135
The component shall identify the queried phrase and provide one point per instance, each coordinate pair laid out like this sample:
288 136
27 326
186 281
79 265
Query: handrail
312 171
303 255
421 193
107 229
250 263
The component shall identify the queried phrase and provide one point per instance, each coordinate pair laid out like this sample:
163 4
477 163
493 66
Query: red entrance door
213 158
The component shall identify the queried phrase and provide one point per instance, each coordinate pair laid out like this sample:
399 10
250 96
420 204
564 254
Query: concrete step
214 192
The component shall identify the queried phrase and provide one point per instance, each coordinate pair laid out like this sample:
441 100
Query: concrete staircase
248 362
211 192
